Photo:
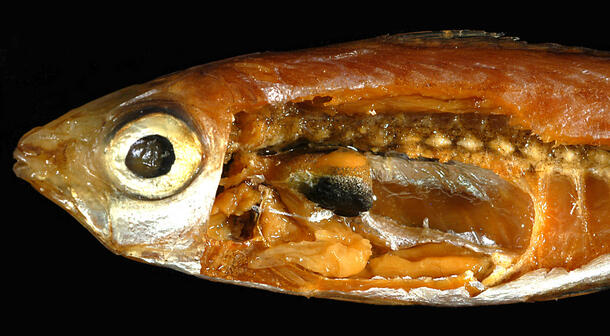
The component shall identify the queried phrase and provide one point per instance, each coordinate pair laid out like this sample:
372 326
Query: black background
50 64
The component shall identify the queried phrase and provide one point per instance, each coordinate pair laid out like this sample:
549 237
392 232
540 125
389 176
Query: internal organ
547 203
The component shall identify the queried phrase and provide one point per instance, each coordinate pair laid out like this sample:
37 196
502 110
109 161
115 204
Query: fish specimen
443 168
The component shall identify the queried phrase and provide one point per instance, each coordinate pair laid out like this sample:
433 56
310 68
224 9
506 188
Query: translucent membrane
471 202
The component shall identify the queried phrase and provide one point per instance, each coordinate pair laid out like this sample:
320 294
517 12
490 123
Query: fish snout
58 160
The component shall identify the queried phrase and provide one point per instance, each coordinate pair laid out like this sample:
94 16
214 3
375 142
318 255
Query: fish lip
23 170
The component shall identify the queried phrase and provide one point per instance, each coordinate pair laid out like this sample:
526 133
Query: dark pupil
150 156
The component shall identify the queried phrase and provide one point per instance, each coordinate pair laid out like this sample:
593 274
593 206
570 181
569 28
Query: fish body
449 168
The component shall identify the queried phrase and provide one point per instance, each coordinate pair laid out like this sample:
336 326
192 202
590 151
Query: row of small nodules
573 225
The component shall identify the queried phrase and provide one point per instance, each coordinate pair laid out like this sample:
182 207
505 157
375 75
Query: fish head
139 168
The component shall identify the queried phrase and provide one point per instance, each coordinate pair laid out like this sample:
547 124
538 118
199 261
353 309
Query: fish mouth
28 166
41 159
441 200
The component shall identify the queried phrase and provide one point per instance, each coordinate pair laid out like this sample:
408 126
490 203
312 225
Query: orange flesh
597 204
576 221
390 266
290 249
341 160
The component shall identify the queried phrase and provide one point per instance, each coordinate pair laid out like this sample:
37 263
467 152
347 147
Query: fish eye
150 156
153 156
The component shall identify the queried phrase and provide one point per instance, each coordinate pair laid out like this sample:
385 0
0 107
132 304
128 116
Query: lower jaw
543 207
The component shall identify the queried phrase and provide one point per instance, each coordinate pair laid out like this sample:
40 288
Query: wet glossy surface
150 156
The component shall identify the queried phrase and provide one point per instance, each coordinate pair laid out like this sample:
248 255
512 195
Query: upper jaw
59 165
